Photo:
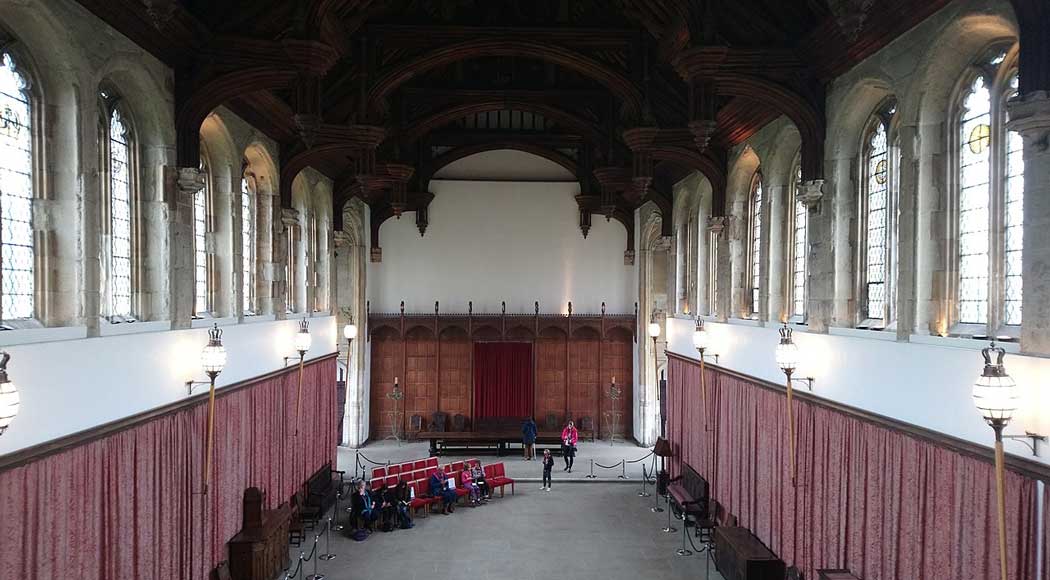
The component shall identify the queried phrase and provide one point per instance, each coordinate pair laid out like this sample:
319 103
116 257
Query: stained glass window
876 220
974 197
755 251
200 254
120 217
1013 222
712 272
800 245
247 247
16 194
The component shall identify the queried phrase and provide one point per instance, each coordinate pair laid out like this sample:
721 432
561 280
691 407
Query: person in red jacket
569 437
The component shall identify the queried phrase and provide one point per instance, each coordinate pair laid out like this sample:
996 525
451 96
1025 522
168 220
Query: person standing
528 438
569 437
548 465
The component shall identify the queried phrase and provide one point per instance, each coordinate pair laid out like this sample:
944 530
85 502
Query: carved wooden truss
628 95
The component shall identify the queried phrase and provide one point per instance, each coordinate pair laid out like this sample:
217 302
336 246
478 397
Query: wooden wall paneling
583 375
618 355
387 363
456 372
420 381
550 374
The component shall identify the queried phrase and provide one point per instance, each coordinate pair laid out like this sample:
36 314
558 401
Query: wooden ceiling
630 94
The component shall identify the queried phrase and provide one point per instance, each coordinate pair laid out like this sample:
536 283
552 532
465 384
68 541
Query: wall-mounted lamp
302 342
995 396
213 361
9 400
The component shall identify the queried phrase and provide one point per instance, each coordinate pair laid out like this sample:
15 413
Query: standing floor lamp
213 361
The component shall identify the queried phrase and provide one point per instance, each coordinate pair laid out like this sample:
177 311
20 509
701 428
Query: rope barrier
641 458
614 466
298 568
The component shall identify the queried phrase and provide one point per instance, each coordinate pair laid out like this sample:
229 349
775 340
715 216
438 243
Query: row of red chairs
406 467
419 480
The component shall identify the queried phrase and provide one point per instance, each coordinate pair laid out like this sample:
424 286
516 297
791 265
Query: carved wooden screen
387 363
454 386
550 375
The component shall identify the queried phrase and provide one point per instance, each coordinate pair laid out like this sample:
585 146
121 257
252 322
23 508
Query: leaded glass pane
799 251
974 197
16 195
876 219
1013 223
120 218
712 271
755 258
247 247
200 255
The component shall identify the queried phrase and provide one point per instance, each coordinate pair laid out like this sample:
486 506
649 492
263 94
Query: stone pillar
282 274
907 234
1030 117
821 260
267 265
723 280
188 181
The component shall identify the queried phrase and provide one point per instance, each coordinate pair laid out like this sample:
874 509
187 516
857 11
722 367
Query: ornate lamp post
654 333
787 360
995 396
349 333
9 400
701 340
213 361
395 395
302 345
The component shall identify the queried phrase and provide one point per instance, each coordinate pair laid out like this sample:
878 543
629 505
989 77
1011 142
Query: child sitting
470 486
479 478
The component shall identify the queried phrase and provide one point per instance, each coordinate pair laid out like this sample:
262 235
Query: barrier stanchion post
315 575
592 475
298 568
623 470
670 529
328 555
645 480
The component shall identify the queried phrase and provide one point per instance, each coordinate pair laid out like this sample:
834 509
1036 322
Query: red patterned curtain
502 379
880 502
129 505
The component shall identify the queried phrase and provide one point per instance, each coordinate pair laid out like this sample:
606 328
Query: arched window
988 205
248 244
799 247
17 252
754 250
201 277
116 148
878 211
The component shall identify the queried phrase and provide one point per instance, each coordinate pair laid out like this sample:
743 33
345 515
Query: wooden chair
438 422
550 422
459 423
416 423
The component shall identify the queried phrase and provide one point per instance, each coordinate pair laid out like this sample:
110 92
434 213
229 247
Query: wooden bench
739 555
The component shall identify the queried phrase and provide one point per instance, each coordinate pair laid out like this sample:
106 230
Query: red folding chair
421 464
379 472
393 470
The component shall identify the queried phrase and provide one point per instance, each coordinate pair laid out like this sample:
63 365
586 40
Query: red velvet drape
129 505
885 504
502 379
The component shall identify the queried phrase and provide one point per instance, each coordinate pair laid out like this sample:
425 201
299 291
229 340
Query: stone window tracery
17 251
799 247
248 245
878 224
118 160
201 278
754 251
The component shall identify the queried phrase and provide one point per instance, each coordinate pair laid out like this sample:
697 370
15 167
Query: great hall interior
289 287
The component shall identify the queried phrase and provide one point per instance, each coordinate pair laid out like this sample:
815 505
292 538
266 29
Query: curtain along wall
502 380
571 376
883 503
128 505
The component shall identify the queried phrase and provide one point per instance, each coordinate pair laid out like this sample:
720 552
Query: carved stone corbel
190 180
1030 117
810 193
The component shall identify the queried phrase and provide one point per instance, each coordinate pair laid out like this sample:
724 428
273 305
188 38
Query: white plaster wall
928 385
494 241
71 385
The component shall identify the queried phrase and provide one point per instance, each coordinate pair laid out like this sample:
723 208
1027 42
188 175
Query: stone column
821 260
267 266
1030 116
188 181
283 277
907 234
723 268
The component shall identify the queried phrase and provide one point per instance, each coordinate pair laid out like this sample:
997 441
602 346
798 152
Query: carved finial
537 305
470 307
435 308
402 308
570 307
603 308
503 306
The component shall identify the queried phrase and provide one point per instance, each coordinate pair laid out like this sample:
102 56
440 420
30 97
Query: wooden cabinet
260 550
739 555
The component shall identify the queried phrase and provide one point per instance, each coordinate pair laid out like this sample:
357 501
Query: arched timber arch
616 82
444 117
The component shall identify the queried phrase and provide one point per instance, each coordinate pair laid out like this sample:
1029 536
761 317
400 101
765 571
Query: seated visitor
361 506
472 488
438 488
478 474
403 496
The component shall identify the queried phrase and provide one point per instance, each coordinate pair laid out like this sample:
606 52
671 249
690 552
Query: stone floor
602 453
591 531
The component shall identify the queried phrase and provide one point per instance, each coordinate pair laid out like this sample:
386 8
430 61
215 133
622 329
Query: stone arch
224 162
261 170
742 171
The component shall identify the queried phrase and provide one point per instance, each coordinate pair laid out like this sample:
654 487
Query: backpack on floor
359 535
